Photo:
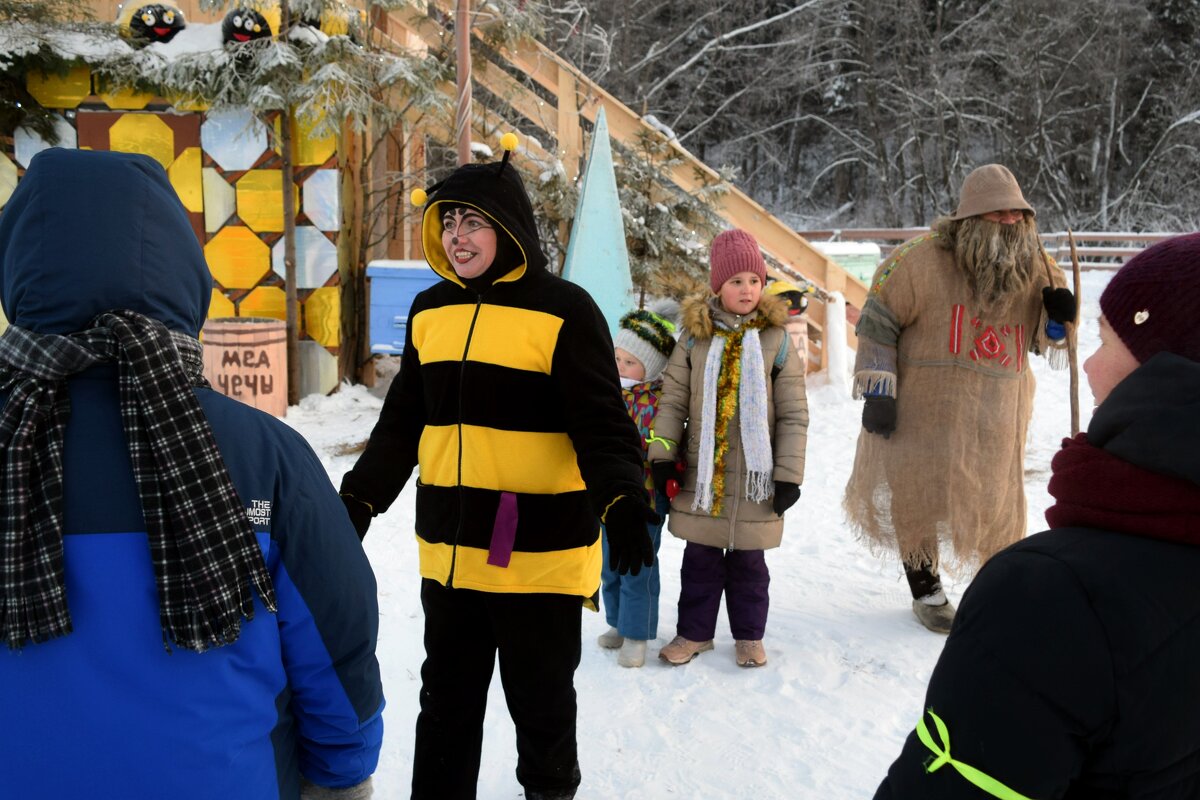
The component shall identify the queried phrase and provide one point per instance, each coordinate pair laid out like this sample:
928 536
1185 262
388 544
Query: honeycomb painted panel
235 139
27 143
260 200
237 258
127 99
316 258
219 200
321 199
8 179
307 150
60 91
143 133
318 369
265 301
181 102
221 306
184 174
323 316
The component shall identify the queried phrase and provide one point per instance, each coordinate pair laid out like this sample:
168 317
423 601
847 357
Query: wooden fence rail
1097 250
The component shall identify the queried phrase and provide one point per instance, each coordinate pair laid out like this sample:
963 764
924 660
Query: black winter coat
1073 668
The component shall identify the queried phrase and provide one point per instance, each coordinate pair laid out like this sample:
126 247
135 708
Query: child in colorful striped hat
643 344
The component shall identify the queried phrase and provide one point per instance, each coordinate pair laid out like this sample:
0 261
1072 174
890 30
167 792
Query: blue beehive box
392 285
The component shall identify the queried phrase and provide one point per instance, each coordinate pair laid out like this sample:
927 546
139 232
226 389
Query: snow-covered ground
848 661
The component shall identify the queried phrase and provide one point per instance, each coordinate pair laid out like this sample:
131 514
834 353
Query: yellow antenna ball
418 197
509 141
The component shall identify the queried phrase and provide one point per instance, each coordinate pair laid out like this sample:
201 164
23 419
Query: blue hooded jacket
106 711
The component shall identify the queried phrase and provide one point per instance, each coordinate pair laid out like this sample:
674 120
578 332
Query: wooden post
570 136
462 119
348 251
1072 338
289 233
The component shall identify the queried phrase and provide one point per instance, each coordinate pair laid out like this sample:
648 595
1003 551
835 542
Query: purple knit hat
1153 302
733 252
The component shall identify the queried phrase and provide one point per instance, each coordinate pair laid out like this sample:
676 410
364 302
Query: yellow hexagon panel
126 99
220 306
8 179
185 176
306 150
60 91
323 316
265 301
237 258
143 133
181 102
260 199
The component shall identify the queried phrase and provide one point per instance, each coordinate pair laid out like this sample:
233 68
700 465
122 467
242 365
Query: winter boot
610 639
681 650
633 653
750 652
935 616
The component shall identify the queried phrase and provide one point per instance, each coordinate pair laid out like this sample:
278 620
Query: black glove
629 544
662 471
360 514
786 495
1060 304
879 415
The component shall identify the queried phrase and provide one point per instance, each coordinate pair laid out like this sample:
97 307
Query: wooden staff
1072 338
462 107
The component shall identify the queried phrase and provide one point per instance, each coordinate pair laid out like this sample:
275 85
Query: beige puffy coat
744 524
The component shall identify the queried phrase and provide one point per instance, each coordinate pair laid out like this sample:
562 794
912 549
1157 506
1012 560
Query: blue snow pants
631 601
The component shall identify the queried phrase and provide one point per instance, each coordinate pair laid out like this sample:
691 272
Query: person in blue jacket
187 610
1071 668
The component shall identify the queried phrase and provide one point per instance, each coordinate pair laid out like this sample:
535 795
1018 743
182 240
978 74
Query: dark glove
360 514
629 544
879 415
786 495
1060 304
662 471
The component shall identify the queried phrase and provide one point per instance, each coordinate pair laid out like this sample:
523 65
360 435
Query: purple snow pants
707 572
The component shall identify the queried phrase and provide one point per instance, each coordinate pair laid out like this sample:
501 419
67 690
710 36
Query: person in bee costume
509 402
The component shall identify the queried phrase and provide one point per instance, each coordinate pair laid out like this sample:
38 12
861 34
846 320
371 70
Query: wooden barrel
246 358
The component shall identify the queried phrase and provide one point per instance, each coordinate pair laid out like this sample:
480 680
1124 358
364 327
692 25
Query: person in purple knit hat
1070 671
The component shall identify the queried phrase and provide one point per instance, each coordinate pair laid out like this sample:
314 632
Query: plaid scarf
205 554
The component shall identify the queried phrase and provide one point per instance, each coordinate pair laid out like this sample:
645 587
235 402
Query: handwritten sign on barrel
246 358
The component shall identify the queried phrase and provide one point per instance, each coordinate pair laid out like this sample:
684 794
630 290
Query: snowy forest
843 113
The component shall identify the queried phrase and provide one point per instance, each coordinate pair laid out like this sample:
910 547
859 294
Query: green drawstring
985 782
666 443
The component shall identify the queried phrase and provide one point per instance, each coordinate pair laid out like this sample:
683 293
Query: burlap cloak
954 468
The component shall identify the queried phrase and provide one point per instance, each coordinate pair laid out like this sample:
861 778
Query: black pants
923 578
538 639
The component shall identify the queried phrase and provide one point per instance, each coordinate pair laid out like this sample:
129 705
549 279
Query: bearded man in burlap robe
944 342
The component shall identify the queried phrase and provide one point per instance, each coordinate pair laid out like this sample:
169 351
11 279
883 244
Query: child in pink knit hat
737 385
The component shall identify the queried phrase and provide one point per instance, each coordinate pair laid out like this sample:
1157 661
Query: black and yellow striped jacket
510 390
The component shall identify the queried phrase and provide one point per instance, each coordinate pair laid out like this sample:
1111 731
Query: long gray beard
998 259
